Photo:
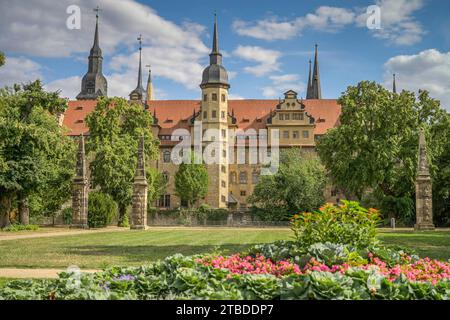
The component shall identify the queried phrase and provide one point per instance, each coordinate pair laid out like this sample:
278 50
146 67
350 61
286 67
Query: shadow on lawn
152 253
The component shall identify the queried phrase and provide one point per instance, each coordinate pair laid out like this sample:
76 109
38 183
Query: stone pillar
80 190
139 210
424 203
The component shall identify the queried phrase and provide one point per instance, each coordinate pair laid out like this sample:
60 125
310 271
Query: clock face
90 84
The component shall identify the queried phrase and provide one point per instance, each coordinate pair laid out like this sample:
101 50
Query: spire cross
97 10
149 66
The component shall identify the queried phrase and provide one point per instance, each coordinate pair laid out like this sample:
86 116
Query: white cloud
232 96
282 83
175 51
69 87
328 19
429 70
399 26
267 29
19 70
267 60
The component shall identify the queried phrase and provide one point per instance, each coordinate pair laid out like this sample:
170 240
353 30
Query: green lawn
435 244
99 250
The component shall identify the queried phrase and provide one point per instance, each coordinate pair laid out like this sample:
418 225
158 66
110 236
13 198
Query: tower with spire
94 84
138 94
314 90
214 115
149 90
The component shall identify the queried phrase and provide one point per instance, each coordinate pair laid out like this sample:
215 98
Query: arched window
166 156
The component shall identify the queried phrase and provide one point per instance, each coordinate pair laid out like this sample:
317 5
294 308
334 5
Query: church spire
309 88
215 57
149 84
394 85
94 84
138 93
316 90
215 73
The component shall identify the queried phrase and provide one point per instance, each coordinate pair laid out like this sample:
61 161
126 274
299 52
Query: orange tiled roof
173 114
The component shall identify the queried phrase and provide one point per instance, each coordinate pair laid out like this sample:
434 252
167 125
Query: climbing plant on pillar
115 127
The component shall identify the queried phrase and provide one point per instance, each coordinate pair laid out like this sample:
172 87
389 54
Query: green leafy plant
347 223
20 227
102 209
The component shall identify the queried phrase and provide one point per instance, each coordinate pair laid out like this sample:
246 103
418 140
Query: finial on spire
97 10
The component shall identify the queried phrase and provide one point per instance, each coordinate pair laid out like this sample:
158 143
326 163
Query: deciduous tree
297 186
374 149
34 151
115 127
191 181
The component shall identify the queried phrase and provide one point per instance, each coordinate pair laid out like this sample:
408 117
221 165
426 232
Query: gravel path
57 233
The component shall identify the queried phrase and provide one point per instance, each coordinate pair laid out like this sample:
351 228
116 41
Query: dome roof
215 74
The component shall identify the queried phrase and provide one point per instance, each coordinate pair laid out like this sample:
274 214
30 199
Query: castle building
300 123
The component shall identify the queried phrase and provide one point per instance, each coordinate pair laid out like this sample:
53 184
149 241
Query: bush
347 223
67 215
102 209
20 227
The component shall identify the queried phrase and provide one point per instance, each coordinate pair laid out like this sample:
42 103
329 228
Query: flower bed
422 270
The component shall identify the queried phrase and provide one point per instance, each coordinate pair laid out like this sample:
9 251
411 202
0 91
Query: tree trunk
122 216
5 208
24 211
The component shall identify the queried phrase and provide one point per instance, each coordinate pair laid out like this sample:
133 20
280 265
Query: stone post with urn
139 202
424 198
80 190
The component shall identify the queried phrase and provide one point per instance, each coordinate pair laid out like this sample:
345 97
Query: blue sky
266 44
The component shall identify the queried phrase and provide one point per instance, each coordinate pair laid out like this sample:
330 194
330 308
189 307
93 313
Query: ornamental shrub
347 223
20 227
102 209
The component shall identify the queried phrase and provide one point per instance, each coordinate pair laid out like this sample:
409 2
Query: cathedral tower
214 115
94 84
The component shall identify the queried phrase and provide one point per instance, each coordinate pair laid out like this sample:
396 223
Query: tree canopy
36 158
297 186
375 146
115 127
2 58
191 181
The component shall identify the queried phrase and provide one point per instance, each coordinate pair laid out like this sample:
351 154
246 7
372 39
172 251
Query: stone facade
80 190
424 198
138 219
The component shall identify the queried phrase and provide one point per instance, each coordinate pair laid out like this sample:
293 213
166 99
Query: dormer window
79 108
79 121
